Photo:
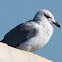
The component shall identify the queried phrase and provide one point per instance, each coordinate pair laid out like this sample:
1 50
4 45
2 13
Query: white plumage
34 34
42 36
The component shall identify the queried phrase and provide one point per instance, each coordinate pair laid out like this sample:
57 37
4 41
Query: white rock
9 54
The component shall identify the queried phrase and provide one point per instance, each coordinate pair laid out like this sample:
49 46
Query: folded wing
19 34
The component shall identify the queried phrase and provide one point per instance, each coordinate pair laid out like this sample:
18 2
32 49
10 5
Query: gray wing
19 34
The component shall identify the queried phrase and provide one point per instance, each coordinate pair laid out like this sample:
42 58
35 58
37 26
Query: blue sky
14 12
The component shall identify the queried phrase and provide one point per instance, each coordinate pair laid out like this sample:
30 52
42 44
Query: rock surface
9 54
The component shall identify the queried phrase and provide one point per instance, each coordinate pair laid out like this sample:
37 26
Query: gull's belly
38 41
41 38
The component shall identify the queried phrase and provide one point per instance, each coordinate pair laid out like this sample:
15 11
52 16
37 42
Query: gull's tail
2 40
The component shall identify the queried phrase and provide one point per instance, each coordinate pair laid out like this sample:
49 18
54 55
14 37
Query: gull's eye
47 16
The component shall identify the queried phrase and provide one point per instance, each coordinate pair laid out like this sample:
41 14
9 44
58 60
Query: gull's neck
39 18
42 21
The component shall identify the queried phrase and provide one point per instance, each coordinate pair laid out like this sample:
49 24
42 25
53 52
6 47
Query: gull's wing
19 34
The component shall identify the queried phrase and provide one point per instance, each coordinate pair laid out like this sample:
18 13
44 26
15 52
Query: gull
33 34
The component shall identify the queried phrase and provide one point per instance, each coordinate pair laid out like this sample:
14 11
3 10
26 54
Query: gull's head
46 15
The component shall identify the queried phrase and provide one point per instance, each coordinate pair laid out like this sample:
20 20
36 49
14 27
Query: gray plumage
19 34
34 34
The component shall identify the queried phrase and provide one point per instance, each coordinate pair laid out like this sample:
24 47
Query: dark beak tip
58 25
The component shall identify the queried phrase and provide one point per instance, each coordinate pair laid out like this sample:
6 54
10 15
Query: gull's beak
57 24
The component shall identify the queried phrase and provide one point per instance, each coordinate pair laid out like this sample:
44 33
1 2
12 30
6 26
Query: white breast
42 37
